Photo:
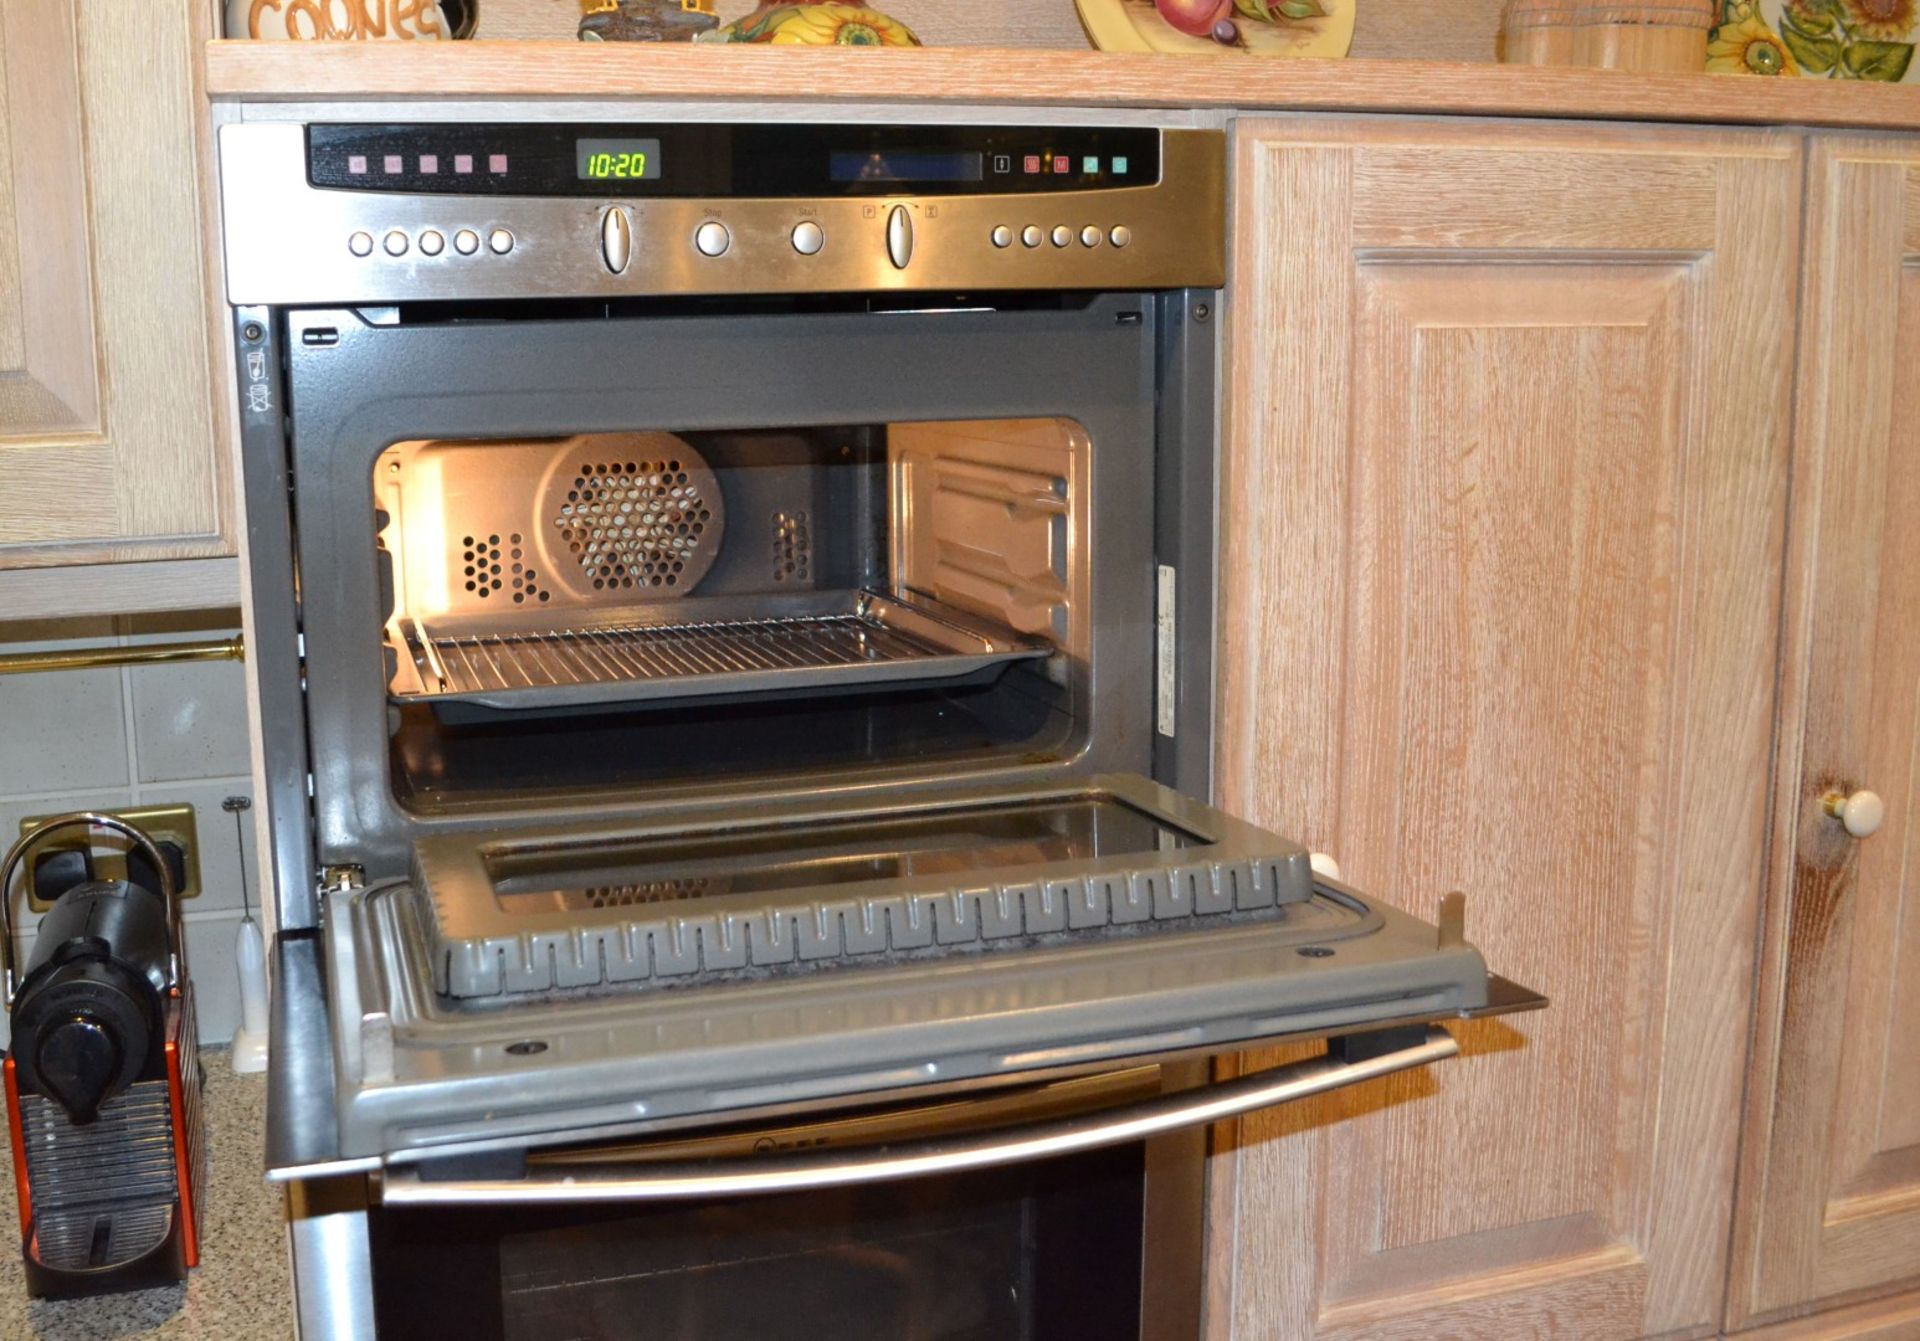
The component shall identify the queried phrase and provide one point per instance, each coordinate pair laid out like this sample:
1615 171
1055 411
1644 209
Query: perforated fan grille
643 526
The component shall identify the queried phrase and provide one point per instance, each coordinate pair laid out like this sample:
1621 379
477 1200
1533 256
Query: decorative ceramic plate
1825 39
1135 25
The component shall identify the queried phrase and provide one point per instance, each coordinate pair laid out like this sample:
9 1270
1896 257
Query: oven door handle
575 1183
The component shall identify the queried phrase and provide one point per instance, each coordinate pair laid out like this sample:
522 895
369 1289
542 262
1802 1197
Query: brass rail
151 654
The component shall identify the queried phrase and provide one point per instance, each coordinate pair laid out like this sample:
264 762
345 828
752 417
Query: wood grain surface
119 588
1830 1179
410 71
49 373
1896 1318
107 438
1508 410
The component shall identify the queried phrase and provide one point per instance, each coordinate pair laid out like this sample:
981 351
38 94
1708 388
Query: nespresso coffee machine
102 1069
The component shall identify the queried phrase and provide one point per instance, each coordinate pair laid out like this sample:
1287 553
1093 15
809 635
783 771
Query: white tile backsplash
184 722
215 977
145 735
61 731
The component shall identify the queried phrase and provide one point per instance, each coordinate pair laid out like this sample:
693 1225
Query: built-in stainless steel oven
732 607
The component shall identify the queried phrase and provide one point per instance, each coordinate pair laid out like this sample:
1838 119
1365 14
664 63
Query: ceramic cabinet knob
1860 814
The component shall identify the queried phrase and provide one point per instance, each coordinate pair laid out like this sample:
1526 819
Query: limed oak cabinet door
107 423
1829 1204
1507 444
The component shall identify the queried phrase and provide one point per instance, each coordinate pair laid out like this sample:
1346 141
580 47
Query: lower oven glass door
1044 1251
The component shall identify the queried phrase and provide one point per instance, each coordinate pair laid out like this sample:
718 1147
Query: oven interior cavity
671 604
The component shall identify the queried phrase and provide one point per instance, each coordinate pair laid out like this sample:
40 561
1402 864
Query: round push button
396 243
500 241
1031 235
1089 236
1062 235
712 239
1003 236
361 244
807 238
431 243
1120 235
466 242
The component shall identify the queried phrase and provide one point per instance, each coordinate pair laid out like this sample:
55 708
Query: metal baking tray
738 645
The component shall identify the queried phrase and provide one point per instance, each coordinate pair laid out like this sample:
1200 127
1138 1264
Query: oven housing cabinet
407 1119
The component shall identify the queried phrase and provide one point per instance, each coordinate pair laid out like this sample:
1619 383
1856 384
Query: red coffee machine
102 1070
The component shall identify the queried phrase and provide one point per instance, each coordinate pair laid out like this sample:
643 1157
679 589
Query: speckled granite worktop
240 1290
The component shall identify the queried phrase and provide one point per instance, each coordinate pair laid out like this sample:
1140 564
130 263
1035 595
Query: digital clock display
617 160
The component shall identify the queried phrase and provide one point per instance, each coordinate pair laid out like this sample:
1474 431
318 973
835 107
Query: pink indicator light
393 165
463 162
1033 163
1062 165
429 164
496 162
357 164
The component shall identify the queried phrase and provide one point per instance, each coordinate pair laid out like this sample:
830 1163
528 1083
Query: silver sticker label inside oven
1164 670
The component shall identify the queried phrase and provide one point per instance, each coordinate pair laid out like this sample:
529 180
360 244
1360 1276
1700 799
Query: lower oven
1051 1247
735 650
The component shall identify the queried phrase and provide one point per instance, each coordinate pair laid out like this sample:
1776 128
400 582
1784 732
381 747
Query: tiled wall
146 735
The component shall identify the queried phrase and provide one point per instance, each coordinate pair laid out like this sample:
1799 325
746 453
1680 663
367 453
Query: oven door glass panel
955 841
602 978
727 896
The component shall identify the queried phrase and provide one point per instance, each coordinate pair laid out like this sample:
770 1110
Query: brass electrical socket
161 823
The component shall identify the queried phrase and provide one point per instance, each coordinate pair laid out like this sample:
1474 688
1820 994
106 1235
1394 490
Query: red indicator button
392 165
496 162
1033 162
1062 165
463 162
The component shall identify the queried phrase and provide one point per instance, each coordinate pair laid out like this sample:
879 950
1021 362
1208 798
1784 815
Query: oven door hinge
1166 696
342 879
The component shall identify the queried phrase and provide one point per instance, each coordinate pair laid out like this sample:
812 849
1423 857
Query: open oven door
605 981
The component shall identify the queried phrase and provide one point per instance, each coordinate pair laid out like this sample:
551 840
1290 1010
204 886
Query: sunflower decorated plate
818 25
1221 27
1826 39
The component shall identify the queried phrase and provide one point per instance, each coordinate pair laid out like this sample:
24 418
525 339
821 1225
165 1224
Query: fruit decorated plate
1221 27
1825 39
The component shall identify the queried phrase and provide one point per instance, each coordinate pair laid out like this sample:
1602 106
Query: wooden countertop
408 71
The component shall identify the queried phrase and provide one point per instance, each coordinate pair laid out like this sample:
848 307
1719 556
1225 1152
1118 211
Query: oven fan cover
607 519
630 517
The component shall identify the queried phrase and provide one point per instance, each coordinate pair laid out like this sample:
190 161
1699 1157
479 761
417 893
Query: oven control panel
375 213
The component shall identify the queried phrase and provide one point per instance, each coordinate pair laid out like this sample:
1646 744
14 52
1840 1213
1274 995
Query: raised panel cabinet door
1829 1203
1508 421
107 425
